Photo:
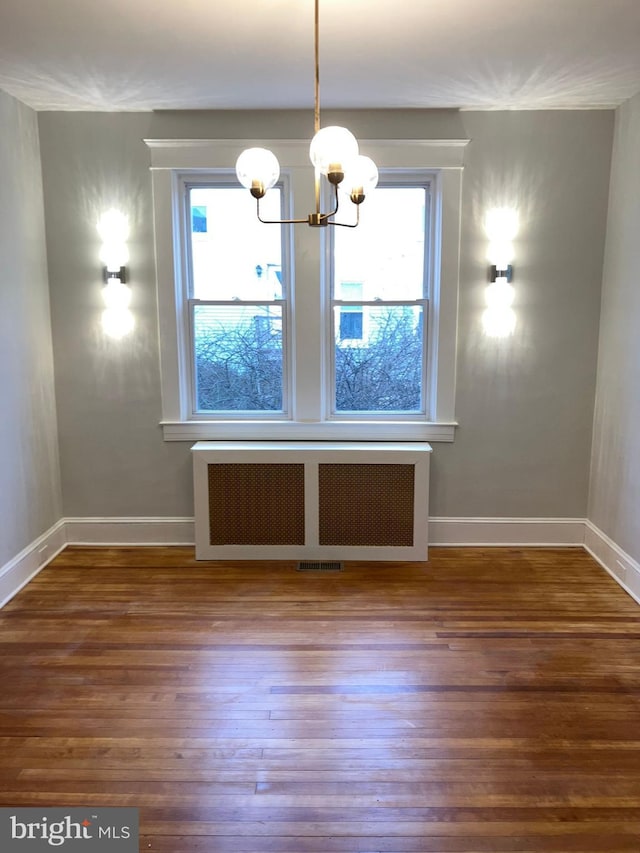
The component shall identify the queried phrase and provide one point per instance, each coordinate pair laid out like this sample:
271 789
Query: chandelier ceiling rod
334 153
316 47
316 103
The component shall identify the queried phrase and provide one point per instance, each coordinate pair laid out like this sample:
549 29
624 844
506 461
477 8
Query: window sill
299 431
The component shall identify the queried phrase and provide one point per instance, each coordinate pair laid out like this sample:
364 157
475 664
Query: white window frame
307 264
394 178
218 178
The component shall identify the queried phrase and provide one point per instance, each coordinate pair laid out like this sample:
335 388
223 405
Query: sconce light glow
113 227
499 294
117 322
499 322
114 256
501 224
500 253
117 296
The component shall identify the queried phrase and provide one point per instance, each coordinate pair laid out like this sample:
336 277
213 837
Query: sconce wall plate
114 275
495 273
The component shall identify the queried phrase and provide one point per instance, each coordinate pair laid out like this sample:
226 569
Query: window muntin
237 305
384 371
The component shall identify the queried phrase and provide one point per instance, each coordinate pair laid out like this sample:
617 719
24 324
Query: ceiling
249 54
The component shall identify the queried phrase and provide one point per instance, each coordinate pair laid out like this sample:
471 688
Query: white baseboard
130 531
442 531
514 532
478 532
620 565
22 568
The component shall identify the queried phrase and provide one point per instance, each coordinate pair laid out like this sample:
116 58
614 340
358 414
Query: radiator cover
311 500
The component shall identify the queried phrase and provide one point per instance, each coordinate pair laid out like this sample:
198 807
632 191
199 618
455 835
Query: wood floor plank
488 700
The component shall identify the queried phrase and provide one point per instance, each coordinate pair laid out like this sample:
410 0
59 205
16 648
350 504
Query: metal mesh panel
320 566
256 504
366 504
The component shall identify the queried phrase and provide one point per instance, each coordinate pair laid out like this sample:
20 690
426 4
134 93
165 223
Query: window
237 304
270 331
379 356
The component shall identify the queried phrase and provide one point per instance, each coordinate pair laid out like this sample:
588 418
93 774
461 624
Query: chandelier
334 153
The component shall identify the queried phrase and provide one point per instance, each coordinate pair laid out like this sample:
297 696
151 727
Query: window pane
382 372
234 256
385 253
238 357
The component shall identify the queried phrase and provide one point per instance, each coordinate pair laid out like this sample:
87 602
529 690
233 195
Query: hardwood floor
488 700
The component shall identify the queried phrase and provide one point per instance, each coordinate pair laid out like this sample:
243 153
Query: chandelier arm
326 216
349 224
276 221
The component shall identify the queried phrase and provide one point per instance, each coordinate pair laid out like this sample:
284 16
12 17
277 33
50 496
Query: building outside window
350 328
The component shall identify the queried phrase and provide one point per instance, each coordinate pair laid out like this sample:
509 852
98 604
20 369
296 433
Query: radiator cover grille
256 504
366 504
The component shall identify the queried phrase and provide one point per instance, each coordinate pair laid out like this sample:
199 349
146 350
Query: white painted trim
17 573
130 531
620 565
443 532
201 153
443 322
298 431
478 532
487 532
508 532
172 158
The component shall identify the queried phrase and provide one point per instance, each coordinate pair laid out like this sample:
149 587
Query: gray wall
30 501
113 458
614 504
524 405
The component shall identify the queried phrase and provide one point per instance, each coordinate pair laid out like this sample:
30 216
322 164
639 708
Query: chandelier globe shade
258 170
332 148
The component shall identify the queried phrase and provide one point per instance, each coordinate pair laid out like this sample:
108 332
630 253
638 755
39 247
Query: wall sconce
504 273
501 226
113 228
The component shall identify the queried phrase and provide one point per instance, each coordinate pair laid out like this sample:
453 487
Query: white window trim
170 157
184 180
398 177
